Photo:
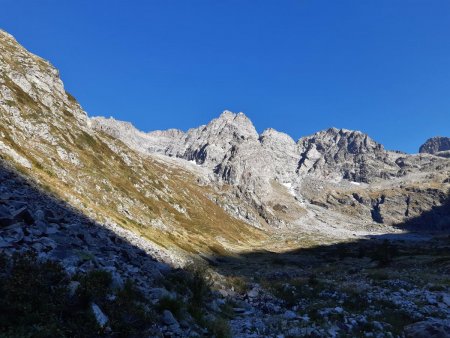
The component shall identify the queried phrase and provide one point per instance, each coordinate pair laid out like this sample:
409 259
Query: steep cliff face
439 146
270 170
345 154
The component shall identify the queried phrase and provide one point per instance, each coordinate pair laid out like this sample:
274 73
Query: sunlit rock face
439 146
260 166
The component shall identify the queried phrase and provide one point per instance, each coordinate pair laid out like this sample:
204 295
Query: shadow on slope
101 284
436 219
360 277
418 232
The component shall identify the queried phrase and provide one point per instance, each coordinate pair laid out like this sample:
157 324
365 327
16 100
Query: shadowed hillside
63 274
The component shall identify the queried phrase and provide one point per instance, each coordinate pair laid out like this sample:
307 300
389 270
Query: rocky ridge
264 170
439 146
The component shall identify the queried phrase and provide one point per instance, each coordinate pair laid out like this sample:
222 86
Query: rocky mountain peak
344 153
271 135
28 78
6 35
344 140
435 145
232 125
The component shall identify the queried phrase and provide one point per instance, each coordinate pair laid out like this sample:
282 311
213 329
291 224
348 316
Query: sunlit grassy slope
53 144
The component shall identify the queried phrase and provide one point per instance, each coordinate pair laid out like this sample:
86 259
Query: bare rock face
218 144
231 148
270 169
161 142
439 146
33 80
346 154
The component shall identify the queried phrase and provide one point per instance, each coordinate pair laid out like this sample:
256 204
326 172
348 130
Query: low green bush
35 301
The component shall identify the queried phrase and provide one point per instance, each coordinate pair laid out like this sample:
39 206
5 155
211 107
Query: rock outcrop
261 166
439 146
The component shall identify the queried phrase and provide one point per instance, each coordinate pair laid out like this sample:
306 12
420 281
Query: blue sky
380 66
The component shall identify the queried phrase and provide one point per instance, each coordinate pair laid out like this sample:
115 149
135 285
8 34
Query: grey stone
446 299
432 328
158 293
39 215
435 145
23 214
4 244
253 293
290 315
168 318
100 317
73 286
14 235
41 227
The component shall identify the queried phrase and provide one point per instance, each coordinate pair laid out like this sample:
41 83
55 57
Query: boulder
100 317
431 328
23 214
168 318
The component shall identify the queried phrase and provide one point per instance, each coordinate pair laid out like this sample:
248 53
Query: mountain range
217 190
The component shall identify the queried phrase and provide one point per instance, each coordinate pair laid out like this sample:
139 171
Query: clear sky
379 66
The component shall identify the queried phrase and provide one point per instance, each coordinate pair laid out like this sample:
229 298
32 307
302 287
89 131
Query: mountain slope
48 136
281 179
218 187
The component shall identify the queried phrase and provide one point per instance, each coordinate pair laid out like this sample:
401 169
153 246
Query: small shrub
127 313
35 302
227 309
94 286
379 275
200 287
174 305
238 284
219 328
313 280
384 253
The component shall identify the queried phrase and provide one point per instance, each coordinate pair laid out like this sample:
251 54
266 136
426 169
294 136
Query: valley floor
377 287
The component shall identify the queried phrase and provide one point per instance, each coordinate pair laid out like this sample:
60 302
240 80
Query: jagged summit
33 80
352 141
273 134
435 145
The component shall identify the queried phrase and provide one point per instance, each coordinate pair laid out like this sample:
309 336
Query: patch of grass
238 284
193 284
397 318
226 309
